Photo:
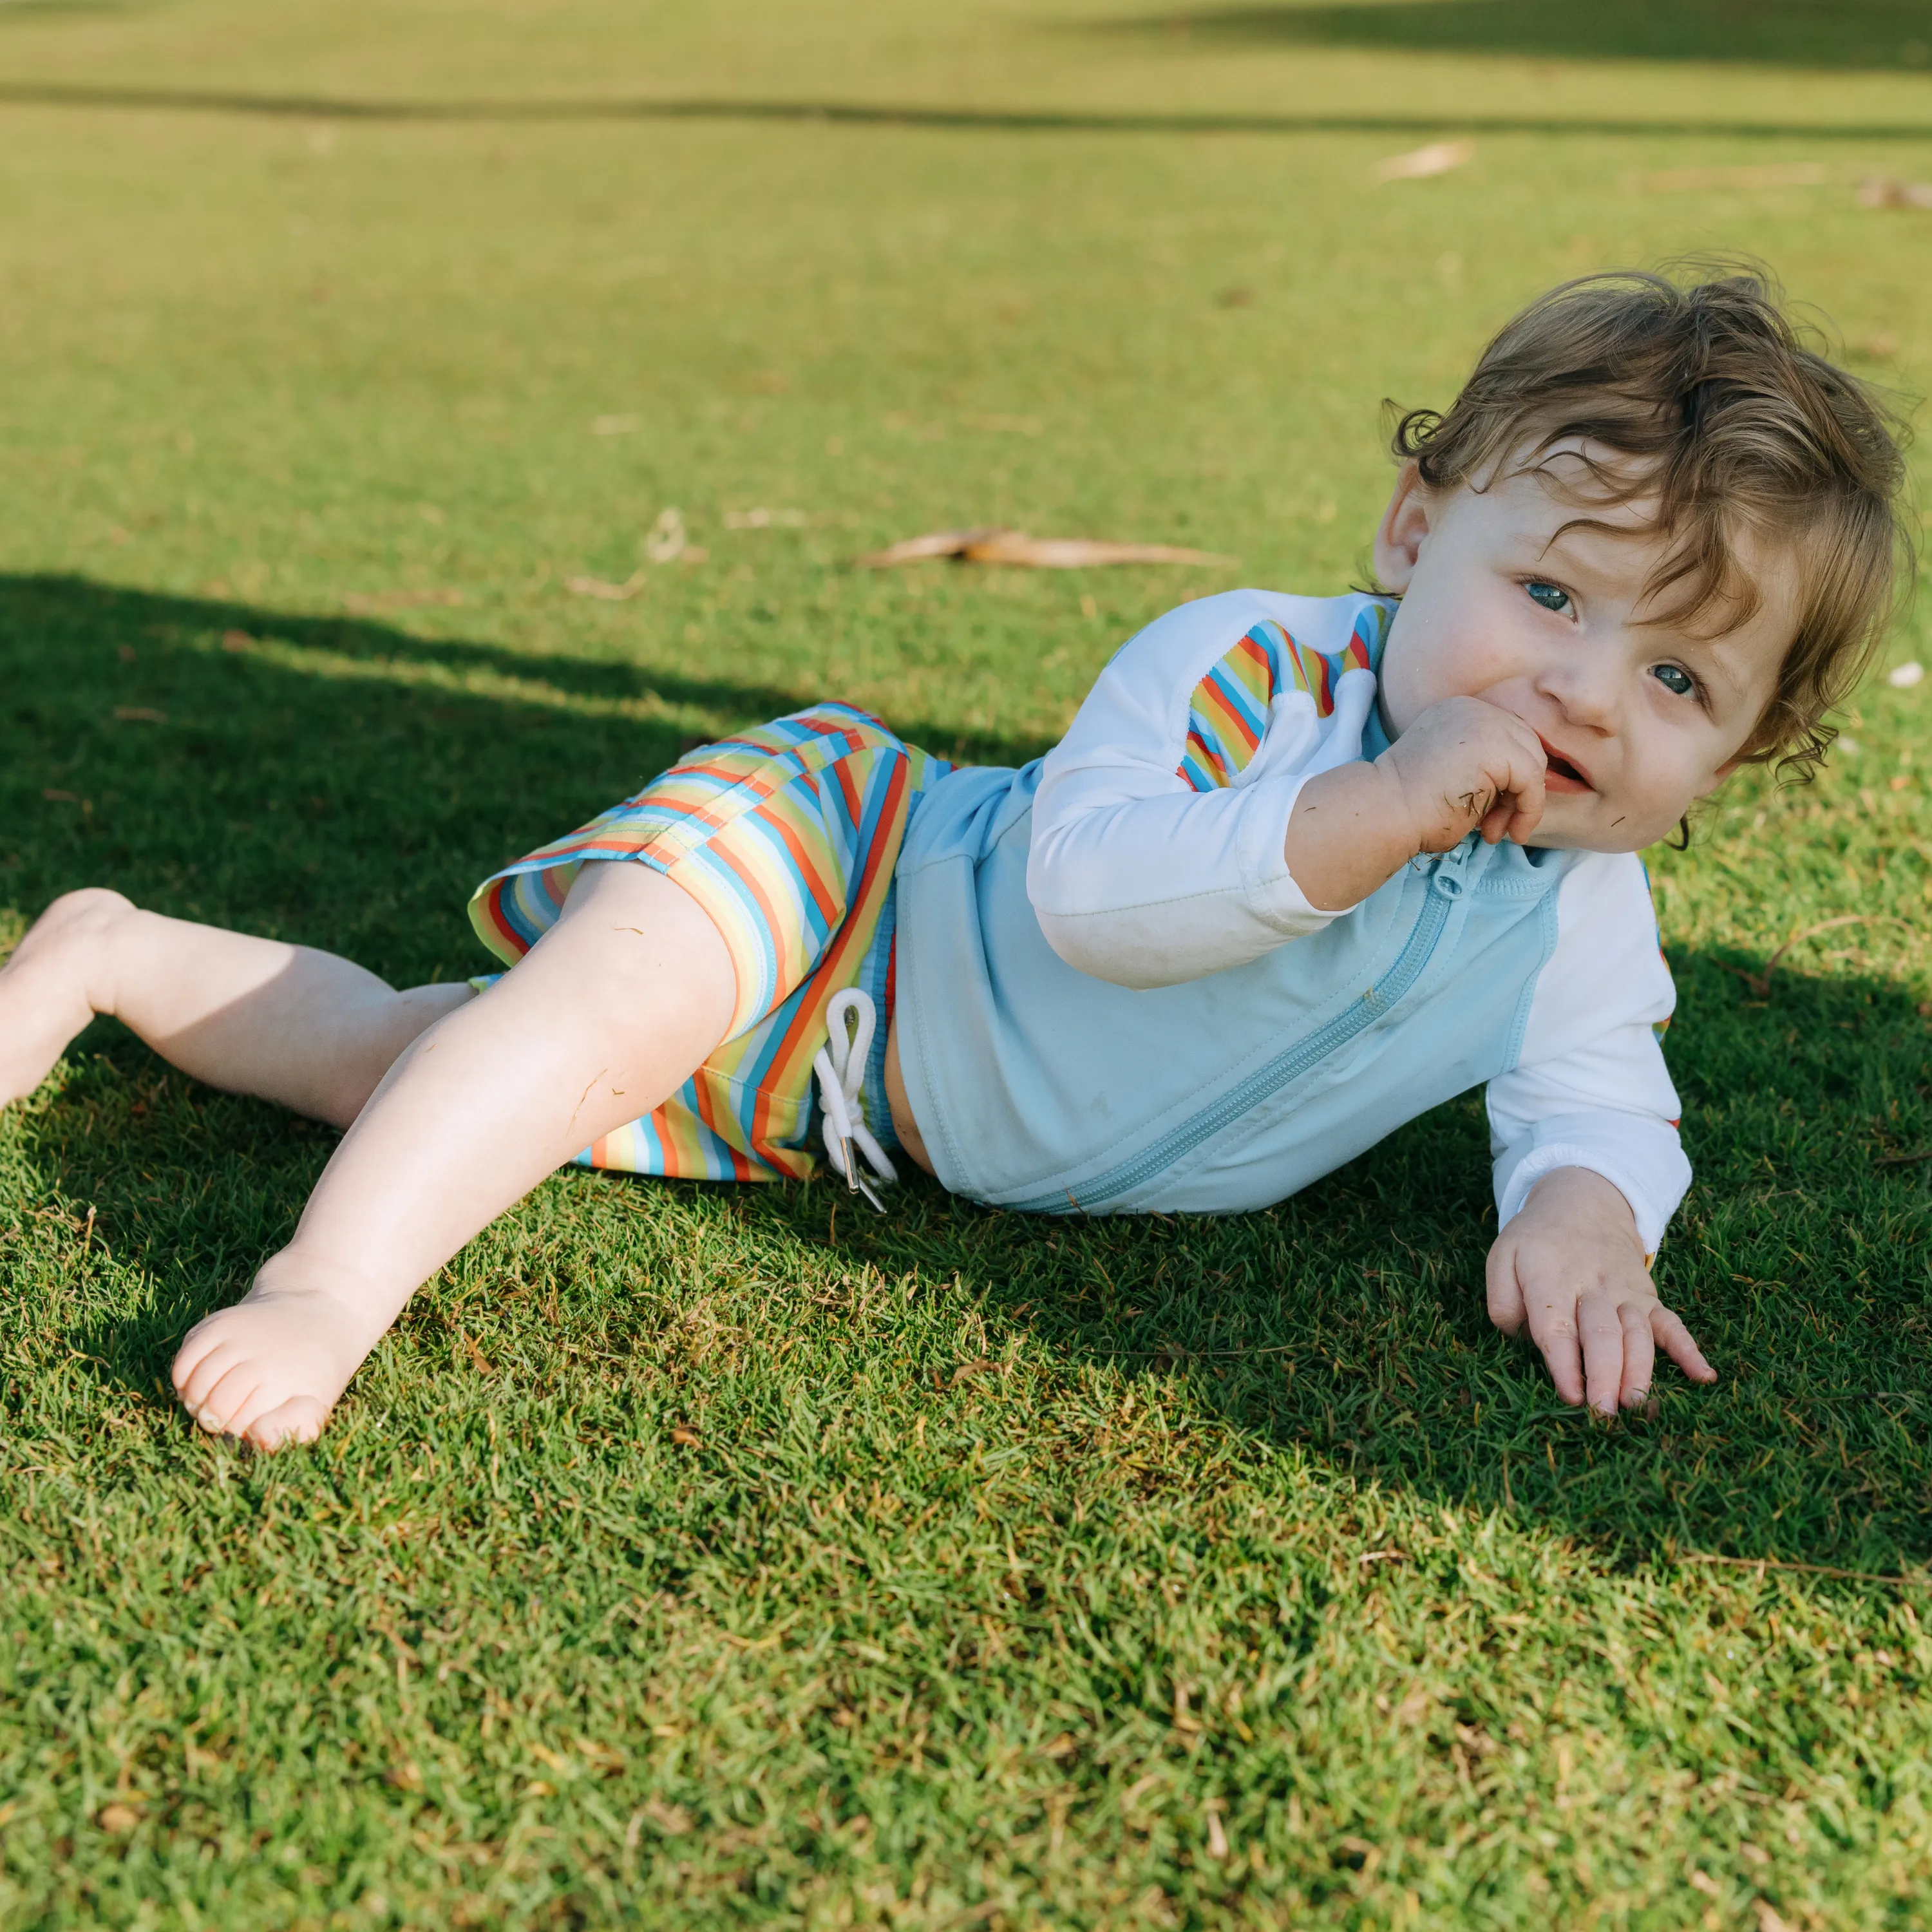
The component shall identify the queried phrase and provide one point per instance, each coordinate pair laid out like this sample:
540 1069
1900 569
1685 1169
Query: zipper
1445 887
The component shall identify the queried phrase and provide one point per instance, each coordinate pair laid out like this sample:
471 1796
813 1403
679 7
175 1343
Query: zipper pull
1448 878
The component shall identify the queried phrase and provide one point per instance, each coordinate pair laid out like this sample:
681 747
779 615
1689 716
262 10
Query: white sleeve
1135 875
1590 1089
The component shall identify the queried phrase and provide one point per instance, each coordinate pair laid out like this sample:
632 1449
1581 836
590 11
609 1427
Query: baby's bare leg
285 1023
607 1016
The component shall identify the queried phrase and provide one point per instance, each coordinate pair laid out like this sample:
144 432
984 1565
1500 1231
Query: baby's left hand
1570 1265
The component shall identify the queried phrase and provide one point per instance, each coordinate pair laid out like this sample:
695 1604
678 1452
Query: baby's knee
90 912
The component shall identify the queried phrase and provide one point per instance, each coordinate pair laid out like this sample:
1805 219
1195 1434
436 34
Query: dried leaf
1217 1839
1888 191
1439 158
686 1437
666 540
1015 547
1077 552
673 1820
915 550
118 1818
611 593
237 640
139 714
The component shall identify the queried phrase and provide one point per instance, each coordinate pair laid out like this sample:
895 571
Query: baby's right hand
1465 764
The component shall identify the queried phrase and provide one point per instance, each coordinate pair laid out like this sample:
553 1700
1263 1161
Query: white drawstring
840 1064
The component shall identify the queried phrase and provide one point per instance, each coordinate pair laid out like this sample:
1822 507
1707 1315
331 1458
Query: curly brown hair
1734 422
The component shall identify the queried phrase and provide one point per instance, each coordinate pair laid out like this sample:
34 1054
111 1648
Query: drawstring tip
840 1065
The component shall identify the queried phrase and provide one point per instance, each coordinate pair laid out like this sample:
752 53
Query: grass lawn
1022 1572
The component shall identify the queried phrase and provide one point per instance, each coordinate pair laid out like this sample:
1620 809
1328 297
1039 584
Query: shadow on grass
332 779
312 793
1879 35
1213 27
1799 1260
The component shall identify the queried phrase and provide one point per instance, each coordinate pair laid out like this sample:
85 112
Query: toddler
1301 868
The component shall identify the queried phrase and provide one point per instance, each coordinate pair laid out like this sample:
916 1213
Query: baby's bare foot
46 987
270 1368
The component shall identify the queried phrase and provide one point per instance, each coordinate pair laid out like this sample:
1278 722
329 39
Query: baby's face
1638 720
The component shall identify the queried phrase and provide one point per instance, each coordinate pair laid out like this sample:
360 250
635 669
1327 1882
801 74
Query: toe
299 1420
195 1380
239 1415
235 1398
202 1340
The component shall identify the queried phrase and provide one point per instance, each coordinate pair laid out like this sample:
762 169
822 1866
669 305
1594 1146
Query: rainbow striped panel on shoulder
1229 712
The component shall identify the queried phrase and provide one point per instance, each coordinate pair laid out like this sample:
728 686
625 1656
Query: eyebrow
1567 542
1563 546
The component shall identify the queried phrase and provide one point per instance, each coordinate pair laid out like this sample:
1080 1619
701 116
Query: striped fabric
1229 712
787 836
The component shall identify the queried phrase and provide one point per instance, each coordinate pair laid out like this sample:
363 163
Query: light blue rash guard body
1041 1087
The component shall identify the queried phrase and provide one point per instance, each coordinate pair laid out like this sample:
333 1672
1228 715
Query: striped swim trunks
787 836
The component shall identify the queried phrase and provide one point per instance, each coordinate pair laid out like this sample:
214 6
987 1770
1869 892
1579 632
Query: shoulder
1253 645
1207 628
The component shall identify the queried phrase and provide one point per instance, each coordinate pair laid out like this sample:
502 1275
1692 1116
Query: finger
1529 793
1498 820
1602 1335
1639 1354
1553 1328
1669 1329
1505 1291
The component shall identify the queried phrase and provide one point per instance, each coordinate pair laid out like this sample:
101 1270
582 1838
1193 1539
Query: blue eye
1551 596
1675 680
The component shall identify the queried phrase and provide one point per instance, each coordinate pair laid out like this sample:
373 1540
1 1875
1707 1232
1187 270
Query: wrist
1348 833
1400 824
1586 1201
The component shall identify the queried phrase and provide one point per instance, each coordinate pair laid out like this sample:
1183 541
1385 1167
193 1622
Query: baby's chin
1586 822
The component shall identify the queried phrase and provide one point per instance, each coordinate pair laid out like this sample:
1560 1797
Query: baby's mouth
1562 774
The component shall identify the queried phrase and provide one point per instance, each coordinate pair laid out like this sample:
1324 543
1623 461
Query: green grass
1025 1573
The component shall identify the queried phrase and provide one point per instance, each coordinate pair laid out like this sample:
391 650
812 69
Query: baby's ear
1404 529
